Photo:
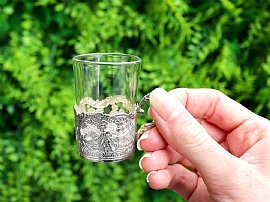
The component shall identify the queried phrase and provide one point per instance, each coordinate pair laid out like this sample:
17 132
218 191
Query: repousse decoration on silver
105 130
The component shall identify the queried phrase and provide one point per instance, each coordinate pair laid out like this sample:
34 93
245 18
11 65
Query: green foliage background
217 44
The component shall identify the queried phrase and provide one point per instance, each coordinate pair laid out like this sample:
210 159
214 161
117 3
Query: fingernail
147 177
147 155
143 137
163 103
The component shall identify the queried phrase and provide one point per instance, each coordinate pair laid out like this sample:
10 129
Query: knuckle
173 118
193 136
257 125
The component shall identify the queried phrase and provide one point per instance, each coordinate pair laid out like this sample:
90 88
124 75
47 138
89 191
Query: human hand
206 147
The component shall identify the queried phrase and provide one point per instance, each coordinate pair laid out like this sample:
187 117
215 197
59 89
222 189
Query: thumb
185 135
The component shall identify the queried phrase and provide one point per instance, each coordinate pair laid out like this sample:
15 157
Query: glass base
108 160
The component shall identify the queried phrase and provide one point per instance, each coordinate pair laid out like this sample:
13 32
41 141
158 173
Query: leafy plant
211 44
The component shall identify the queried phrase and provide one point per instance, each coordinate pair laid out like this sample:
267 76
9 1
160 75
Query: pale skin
206 147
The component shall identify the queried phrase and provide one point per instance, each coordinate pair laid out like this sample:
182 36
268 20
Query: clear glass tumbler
105 109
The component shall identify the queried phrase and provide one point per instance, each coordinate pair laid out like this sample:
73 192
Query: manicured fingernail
163 103
147 177
143 137
147 155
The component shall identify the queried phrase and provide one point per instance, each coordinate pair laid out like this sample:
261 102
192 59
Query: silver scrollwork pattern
103 137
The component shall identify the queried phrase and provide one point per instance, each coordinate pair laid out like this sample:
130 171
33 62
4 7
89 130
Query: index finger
213 106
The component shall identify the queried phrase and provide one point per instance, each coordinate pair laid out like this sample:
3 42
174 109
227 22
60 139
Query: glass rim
136 59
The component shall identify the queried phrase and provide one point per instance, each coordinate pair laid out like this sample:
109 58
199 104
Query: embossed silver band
106 137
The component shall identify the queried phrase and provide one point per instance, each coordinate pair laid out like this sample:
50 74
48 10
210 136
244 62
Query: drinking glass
105 109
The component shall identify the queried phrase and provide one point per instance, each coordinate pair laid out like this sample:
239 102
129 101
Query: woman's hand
206 147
